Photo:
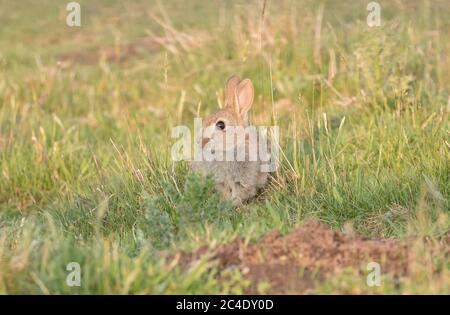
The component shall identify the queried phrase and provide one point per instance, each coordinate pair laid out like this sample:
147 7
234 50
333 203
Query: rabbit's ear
243 94
232 83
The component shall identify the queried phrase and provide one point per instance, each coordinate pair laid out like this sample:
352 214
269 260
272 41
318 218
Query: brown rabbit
239 179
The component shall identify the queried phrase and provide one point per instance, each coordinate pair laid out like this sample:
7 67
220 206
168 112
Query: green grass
85 168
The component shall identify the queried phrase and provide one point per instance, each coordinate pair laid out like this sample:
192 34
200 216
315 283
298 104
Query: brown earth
174 43
310 252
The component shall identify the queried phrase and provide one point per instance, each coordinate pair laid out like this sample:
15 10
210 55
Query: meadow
86 114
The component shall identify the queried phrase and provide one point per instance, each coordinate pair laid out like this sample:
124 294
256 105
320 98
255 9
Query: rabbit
235 180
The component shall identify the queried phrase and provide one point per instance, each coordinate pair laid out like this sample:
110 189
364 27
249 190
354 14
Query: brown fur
235 180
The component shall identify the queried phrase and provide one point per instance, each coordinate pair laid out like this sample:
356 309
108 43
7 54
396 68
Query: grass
86 115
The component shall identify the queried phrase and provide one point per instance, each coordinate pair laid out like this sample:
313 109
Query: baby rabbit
236 179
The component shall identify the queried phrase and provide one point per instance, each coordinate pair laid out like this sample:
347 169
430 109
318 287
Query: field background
86 116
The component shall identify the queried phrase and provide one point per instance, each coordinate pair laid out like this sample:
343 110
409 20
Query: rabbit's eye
220 124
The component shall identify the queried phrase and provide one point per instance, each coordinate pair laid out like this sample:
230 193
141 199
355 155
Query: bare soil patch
173 43
309 252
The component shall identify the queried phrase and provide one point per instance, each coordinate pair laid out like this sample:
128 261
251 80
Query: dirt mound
290 262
